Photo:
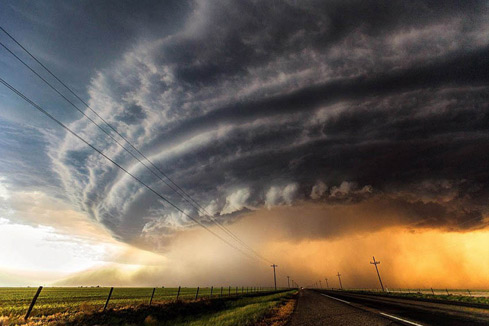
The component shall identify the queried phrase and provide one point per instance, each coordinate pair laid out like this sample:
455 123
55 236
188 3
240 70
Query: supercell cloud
249 105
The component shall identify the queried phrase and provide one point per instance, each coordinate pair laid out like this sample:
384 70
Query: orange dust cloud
309 243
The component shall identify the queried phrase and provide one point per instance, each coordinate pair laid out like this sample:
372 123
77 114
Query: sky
321 133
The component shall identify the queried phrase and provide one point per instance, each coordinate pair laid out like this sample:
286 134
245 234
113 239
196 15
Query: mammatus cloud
318 190
253 104
281 195
236 201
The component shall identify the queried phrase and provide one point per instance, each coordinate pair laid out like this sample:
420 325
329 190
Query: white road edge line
335 298
391 316
403 320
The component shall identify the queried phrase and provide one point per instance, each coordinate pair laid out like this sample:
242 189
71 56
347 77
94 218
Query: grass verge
436 297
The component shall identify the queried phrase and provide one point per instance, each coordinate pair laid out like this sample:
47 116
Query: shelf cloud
252 105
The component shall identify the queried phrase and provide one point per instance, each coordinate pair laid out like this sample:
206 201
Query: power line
96 124
39 108
90 108
192 202
199 207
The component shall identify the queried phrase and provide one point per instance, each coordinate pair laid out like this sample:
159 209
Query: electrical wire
190 200
39 108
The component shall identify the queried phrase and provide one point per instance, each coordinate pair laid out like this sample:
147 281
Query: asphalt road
343 308
314 309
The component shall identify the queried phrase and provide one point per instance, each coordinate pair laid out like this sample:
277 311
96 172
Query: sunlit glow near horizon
41 248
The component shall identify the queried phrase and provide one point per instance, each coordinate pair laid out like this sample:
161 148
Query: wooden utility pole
327 285
339 278
375 263
288 281
274 275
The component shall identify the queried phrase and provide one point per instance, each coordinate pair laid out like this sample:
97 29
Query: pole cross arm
374 262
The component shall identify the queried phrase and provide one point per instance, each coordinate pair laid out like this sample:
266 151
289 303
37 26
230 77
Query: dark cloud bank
266 103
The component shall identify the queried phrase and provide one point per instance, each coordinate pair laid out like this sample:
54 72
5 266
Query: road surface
343 308
315 309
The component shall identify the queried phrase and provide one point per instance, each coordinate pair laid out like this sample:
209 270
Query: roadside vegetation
455 295
251 309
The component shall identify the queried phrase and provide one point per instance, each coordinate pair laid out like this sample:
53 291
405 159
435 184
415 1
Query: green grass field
128 308
15 301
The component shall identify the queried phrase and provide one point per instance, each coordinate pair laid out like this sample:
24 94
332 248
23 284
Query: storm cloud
251 105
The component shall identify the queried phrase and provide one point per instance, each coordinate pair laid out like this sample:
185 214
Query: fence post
197 293
212 288
152 295
433 292
178 293
108 298
33 302
229 291
220 296
447 291
469 292
236 291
